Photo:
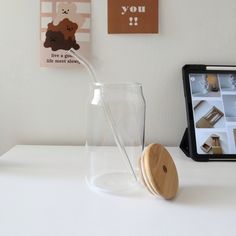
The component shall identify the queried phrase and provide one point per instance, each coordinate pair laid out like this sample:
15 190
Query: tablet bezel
201 69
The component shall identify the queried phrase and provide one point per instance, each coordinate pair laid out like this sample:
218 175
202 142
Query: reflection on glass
232 80
204 85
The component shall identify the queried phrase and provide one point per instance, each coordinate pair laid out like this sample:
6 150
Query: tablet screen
214 112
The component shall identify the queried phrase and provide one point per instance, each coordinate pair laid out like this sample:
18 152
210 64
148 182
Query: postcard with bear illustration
64 25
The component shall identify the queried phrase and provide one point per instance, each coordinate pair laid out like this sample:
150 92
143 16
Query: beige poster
64 25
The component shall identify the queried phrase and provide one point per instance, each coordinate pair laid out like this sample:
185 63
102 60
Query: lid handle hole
164 168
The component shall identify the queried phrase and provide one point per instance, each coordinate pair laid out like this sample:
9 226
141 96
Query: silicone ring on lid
145 180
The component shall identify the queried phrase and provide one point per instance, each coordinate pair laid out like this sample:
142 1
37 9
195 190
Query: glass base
114 183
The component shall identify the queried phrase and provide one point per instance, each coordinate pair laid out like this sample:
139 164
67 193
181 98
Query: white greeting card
64 25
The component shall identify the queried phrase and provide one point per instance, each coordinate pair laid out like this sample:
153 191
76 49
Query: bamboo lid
159 172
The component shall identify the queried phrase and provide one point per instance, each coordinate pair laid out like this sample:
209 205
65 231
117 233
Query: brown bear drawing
55 41
66 27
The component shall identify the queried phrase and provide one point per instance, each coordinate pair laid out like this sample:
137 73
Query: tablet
210 95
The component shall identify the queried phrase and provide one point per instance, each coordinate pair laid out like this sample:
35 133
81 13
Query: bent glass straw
112 124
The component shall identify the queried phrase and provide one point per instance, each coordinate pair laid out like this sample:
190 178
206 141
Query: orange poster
63 25
132 16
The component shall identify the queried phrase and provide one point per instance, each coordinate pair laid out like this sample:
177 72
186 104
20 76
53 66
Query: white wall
47 106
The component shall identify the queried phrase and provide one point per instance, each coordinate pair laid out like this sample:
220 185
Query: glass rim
116 84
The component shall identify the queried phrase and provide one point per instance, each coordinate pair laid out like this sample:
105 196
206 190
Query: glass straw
112 124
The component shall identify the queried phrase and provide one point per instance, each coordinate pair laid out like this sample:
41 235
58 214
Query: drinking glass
115 126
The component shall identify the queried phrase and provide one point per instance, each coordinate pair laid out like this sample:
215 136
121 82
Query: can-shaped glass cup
115 136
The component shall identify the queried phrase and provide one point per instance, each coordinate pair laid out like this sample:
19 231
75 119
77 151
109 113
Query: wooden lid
159 172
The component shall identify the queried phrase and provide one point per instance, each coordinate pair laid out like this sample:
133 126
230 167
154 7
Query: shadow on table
210 196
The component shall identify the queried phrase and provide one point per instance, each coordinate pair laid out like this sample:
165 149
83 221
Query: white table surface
43 193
